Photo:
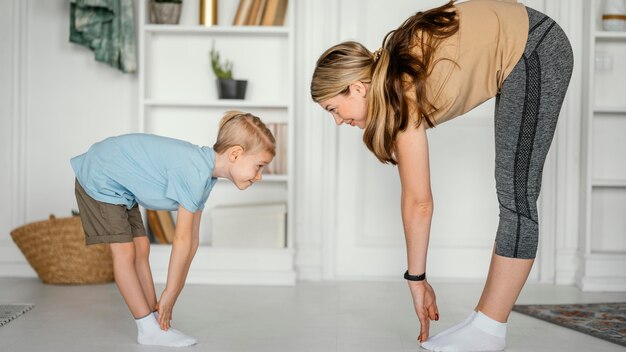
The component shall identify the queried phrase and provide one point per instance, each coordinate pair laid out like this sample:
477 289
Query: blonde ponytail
394 72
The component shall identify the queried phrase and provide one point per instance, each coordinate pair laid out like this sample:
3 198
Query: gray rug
605 321
9 312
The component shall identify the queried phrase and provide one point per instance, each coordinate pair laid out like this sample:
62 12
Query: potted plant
227 87
165 11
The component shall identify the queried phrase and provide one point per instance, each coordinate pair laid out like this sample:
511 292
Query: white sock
156 316
481 334
454 328
149 333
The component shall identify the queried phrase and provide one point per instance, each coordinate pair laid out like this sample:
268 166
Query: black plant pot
231 88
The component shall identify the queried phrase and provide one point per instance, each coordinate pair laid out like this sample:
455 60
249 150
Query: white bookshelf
602 255
178 98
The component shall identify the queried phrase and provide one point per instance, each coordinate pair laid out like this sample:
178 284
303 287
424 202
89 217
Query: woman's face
350 108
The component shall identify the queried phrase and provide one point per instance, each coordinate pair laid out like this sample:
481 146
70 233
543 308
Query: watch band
414 277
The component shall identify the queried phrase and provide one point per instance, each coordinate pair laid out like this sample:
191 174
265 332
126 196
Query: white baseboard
230 266
602 272
13 263
566 265
210 266
16 270
309 264
601 284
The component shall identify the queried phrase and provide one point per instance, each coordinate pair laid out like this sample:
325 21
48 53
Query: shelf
175 81
610 110
608 183
265 178
610 35
274 178
267 31
226 103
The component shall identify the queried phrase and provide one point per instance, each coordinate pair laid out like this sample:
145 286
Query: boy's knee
142 247
123 252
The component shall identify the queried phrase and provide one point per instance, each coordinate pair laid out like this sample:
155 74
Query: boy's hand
165 307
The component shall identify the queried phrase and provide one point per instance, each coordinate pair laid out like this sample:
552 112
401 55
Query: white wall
6 79
55 101
64 102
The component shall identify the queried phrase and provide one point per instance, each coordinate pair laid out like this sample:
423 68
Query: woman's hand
165 307
425 305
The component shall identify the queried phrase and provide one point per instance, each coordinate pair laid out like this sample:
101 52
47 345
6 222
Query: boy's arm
183 250
195 240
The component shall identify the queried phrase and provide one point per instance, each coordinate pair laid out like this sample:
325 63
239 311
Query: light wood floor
326 316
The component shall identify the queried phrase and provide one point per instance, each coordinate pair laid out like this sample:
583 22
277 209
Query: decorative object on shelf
260 13
56 249
108 29
614 16
165 11
208 12
227 87
275 13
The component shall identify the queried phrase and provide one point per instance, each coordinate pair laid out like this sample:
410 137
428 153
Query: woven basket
56 249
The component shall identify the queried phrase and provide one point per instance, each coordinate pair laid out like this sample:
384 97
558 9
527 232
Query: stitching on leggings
543 37
538 24
525 141
514 212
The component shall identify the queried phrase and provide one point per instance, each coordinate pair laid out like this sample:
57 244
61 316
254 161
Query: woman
438 65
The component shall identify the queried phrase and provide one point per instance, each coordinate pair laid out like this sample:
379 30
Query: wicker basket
56 249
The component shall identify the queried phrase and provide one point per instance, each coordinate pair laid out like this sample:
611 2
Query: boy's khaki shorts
107 223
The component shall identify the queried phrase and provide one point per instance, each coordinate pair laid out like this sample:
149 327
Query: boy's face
246 168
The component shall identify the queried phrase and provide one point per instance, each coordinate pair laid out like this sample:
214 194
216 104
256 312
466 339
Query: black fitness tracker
414 277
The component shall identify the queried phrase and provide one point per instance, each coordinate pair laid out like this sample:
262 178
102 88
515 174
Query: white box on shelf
249 225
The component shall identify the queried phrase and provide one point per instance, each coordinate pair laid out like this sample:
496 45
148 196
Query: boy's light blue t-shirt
157 172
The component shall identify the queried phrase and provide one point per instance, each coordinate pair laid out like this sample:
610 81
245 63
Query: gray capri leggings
527 109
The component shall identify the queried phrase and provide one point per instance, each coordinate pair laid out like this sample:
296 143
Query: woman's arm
417 200
417 210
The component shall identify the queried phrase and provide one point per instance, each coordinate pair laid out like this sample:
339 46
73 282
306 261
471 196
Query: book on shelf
256 13
278 166
243 12
275 12
260 13
161 225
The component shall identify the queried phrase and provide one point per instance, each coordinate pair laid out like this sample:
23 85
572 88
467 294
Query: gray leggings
527 109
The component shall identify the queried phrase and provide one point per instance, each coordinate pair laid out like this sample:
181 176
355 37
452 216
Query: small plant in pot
165 11
227 87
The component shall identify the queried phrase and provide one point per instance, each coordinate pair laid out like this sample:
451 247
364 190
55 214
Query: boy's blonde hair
245 130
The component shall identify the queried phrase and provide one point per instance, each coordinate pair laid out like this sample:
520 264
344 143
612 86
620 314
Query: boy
118 173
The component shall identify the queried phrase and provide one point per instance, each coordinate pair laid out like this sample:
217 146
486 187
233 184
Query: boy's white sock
156 316
149 333
481 334
454 328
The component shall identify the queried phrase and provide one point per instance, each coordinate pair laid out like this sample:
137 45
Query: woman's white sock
454 328
481 334
149 333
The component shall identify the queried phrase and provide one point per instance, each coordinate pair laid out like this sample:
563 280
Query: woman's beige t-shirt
490 41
